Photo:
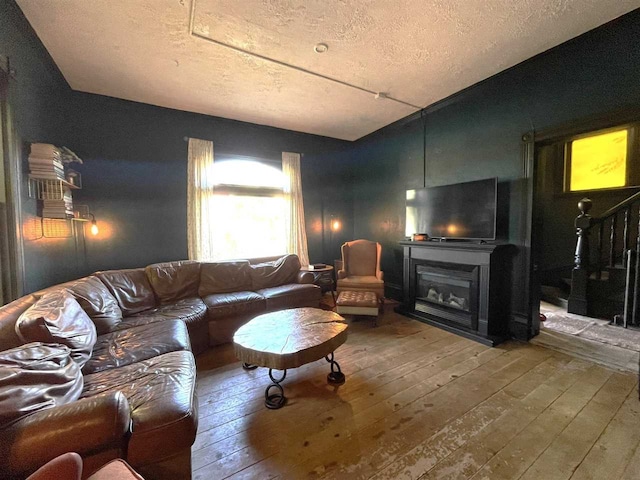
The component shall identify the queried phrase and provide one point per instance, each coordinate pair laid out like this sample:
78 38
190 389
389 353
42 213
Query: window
599 160
249 208
238 207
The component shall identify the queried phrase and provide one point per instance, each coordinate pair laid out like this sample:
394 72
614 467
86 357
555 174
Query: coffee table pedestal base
275 400
274 397
336 377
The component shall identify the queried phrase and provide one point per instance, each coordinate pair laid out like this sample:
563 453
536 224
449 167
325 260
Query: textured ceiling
253 60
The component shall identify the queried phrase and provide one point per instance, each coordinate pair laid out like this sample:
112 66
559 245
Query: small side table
323 277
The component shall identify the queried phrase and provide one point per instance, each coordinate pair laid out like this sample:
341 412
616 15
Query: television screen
462 210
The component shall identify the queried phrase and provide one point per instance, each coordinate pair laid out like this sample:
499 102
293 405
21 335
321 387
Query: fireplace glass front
444 287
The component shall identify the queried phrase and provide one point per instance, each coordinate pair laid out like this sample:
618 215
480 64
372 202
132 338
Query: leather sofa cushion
224 277
278 272
192 311
125 347
189 310
173 281
234 304
9 315
95 299
163 402
35 376
292 295
58 318
131 289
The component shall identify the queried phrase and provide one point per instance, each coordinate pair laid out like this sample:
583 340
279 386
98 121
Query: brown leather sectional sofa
104 365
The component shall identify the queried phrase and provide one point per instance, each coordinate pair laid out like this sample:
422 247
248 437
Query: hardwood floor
420 403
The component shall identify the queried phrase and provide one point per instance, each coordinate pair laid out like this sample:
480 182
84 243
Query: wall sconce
94 225
335 225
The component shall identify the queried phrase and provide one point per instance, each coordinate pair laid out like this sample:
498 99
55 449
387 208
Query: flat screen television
464 211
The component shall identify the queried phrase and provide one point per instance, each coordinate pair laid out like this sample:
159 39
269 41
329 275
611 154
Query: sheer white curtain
294 208
199 191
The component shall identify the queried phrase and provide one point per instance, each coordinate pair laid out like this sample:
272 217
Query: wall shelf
51 182
48 189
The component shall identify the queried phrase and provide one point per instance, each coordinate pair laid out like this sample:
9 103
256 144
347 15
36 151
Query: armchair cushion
361 282
361 268
361 258
67 466
116 469
58 318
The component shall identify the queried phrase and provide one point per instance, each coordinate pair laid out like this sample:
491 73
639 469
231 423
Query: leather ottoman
358 303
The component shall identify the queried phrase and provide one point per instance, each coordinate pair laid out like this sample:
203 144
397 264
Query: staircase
605 278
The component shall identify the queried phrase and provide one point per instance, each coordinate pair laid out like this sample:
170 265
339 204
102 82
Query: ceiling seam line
284 64
192 15
302 70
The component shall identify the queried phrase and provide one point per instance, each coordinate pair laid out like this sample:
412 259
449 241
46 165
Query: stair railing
610 252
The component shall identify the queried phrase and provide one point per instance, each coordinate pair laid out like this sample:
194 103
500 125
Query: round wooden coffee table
288 339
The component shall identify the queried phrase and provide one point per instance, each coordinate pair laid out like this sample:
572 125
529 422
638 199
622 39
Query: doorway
555 208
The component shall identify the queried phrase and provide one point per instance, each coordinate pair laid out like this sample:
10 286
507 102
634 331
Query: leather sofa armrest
342 274
87 426
305 277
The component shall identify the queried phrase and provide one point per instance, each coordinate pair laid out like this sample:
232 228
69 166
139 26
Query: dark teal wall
477 133
36 98
135 169
135 166
135 174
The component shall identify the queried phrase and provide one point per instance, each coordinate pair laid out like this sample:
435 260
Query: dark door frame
532 244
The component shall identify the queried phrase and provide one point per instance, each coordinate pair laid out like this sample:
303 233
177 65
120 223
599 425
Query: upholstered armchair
361 268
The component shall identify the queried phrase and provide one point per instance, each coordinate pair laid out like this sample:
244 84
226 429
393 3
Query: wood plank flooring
420 403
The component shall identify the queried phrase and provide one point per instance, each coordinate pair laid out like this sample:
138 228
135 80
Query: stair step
554 295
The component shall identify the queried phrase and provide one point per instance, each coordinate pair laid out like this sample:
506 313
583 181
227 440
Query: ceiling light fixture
321 48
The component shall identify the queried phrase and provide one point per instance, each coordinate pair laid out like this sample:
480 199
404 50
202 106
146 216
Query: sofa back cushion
172 281
95 299
9 315
58 318
36 376
131 288
224 277
275 273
